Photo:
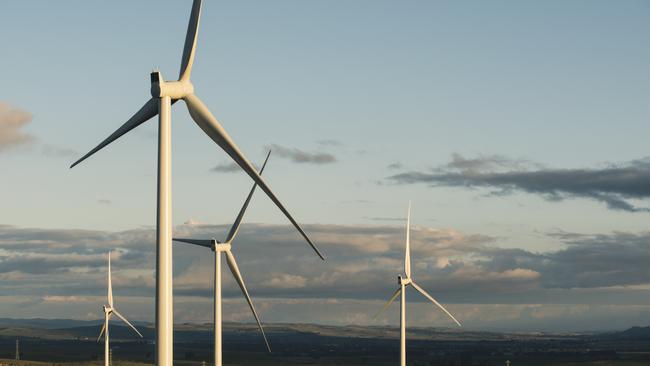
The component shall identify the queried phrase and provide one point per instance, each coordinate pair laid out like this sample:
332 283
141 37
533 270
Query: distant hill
56 323
46 323
634 333
89 329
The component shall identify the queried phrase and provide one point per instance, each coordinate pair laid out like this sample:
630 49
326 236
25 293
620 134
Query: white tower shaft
402 326
106 341
217 309
164 295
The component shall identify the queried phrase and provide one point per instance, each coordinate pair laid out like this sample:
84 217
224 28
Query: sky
516 128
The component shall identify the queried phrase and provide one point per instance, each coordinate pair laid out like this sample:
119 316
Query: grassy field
309 362
323 345
606 363
5 362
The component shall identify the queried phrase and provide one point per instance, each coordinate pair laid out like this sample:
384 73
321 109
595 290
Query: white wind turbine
110 310
163 95
404 282
226 248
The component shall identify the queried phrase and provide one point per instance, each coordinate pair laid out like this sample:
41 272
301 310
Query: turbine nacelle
213 244
403 281
221 247
218 247
173 89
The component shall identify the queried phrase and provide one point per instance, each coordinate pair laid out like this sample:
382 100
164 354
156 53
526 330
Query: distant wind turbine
404 282
110 310
226 248
163 95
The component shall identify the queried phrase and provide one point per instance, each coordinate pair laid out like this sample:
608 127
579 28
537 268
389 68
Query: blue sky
486 115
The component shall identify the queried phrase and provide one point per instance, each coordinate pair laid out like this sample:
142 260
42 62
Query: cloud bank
301 156
229 167
463 271
614 185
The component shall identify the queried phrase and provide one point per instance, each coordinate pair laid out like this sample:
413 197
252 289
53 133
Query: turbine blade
189 50
148 111
235 227
390 301
235 271
407 255
126 321
212 128
425 294
110 283
203 243
102 331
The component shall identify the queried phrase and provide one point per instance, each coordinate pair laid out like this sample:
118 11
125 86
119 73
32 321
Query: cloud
592 261
487 163
376 218
302 157
286 281
363 261
12 124
193 222
395 166
614 185
229 167
329 142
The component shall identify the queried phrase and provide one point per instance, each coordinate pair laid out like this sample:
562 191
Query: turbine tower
226 248
404 282
110 310
163 95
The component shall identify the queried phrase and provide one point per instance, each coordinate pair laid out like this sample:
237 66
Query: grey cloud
399 219
588 261
329 142
363 262
302 157
460 268
12 123
486 163
613 185
617 259
230 167
394 166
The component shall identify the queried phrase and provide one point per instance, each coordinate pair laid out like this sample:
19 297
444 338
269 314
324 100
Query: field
305 344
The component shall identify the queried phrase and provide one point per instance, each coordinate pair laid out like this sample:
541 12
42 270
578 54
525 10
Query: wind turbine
404 282
110 310
226 248
163 95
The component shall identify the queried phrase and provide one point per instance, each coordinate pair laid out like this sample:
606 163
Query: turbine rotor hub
405 281
173 89
222 247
